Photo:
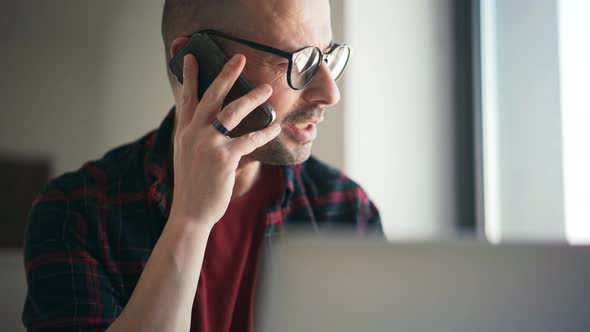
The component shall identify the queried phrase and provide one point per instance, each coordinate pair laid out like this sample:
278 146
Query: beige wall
81 77
136 94
50 91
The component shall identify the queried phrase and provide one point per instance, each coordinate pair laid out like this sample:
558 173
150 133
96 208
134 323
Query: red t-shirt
225 294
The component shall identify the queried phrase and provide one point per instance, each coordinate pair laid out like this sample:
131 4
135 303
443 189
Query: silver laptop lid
354 285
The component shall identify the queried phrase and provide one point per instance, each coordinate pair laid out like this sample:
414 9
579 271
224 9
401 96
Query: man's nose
322 89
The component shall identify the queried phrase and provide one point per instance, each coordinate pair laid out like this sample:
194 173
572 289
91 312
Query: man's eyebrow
299 48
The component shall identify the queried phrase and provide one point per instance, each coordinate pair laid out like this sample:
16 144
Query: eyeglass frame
287 55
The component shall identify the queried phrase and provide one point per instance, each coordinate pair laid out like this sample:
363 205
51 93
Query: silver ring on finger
220 127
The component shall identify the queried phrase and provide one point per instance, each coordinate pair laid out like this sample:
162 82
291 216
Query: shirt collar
157 169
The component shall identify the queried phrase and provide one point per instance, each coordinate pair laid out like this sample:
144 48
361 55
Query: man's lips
304 124
303 131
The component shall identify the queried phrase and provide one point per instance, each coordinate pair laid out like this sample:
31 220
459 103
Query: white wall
399 112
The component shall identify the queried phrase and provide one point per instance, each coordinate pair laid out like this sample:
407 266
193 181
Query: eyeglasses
304 63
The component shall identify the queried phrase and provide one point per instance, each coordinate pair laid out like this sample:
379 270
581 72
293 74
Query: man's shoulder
76 202
329 187
332 198
324 177
117 171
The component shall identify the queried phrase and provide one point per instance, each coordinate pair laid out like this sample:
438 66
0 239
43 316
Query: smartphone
211 60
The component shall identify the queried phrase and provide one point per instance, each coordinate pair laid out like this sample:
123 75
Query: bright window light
574 52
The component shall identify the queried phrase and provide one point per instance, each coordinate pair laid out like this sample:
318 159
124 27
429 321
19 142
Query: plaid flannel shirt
91 232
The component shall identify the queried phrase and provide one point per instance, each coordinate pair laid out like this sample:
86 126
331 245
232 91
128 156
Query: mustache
303 114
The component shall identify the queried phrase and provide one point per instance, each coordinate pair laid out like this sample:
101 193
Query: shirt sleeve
68 288
370 219
374 225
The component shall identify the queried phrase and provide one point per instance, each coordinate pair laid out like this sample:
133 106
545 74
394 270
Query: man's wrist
190 224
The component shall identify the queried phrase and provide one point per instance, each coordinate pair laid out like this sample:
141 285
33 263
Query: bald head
288 25
183 17
280 21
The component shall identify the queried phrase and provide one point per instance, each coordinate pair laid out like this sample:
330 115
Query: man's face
288 25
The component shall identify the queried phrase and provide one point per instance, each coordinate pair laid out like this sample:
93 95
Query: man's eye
281 68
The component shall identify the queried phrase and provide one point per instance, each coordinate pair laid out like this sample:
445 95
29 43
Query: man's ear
176 45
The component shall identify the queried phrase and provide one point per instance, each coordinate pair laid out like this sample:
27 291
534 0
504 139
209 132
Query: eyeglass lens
305 66
337 60
307 62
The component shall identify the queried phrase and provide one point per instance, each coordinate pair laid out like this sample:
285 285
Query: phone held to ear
211 60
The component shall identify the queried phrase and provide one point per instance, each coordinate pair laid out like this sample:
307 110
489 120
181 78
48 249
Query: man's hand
205 161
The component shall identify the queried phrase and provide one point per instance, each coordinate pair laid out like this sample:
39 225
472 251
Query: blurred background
461 118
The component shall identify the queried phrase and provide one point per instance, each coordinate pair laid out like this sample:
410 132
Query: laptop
327 284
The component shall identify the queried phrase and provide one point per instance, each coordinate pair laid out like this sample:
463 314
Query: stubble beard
282 152
276 152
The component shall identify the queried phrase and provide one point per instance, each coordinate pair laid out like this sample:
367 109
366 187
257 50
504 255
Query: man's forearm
203 187
163 297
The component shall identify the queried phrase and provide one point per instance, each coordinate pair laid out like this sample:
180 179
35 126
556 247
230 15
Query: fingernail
185 59
276 129
265 88
234 60
184 65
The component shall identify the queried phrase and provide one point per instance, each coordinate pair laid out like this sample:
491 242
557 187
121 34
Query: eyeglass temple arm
254 45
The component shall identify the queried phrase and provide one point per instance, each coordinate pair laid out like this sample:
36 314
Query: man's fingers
245 144
236 111
190 97
213 98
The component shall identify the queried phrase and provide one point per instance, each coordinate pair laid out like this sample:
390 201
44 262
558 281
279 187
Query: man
163 234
